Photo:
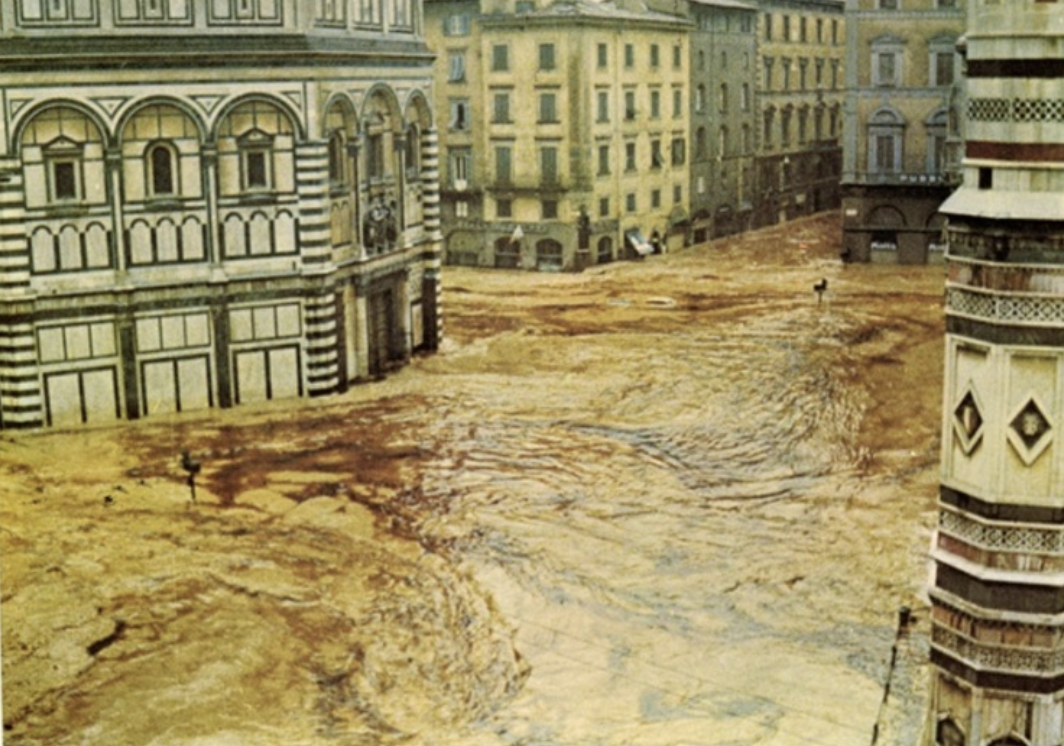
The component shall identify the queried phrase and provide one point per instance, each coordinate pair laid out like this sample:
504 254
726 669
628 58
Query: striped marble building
209 204
997 645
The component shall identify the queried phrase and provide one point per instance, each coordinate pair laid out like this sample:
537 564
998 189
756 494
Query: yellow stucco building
567 126
800 96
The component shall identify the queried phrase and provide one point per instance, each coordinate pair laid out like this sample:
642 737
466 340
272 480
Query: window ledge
164 203
66 210
258 198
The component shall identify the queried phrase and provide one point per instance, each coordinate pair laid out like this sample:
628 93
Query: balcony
898 178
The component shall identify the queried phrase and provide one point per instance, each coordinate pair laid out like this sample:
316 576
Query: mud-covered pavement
668 503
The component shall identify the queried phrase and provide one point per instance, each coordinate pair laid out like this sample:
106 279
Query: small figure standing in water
193 468
819 289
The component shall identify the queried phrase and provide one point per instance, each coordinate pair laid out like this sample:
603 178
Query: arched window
413 150
336 158
700 143
548 254
255 150
886 133
605 250
949 734
885 220
376 153
161 170
160 146
507 253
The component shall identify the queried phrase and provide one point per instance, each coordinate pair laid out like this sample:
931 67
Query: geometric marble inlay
968 422
1030 431
110 104
16 105
207 102
296 97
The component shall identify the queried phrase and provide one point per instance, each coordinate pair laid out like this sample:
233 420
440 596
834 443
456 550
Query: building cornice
275 50
834 7
495 23
906 15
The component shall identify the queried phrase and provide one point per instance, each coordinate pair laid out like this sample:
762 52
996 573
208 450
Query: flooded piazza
676 502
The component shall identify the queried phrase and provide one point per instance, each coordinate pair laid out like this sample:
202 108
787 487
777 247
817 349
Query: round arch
948 733
418 110
339 123
339 106
280 103
937 221
938 117
549 254
604 250
139 107
463 248
1009 740
381 100
886 216
887 116
24 120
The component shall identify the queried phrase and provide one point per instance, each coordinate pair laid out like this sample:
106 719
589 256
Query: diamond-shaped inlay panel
968 422
1030 424
1030 431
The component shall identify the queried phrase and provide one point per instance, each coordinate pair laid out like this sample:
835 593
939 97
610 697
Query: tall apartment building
207 204
800 97
566 140
997 638
724 72
901 128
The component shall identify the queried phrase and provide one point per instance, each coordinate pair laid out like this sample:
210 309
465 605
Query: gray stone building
210 204
724 72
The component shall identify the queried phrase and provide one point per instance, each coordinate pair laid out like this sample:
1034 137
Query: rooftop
636 10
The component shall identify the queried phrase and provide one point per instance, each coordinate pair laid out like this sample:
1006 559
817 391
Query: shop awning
638 243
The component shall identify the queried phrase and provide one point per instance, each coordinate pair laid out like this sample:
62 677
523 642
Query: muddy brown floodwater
673 502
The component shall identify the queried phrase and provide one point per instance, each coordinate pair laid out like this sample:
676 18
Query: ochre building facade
566 141
801 52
